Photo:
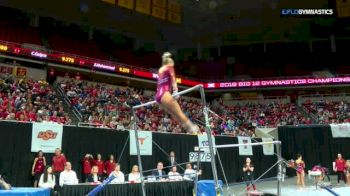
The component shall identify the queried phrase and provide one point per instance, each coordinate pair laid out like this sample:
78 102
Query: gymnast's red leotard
164 83
300 167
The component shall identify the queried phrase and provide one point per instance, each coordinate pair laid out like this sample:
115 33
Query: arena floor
269 187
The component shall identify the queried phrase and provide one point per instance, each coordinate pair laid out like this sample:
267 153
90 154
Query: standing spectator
300 167
47 180
110 165
87 165
100 165
172 159
340 168
248 170
119 176
38 167
58 164
68 176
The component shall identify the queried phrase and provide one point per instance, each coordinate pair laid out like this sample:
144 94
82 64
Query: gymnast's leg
170 105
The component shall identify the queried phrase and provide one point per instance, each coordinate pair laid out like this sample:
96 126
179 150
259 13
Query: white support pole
138 153
248 144
279 168
210 141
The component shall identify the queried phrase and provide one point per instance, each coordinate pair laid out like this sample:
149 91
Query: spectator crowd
328 112
109 107
27 100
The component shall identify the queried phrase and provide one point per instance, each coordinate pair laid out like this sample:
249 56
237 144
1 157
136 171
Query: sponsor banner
145 142
46 137
126 4
159 3
104 67
20 71
174 17
340 130
159 12
143 6
203 142
343 8
245 150
109 1
282 82
268 149
174 6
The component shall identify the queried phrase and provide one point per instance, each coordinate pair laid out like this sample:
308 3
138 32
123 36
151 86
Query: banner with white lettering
245 150
268 149
145 142
46 137
340 130
204 142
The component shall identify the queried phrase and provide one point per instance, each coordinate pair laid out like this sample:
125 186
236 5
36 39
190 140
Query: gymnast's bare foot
194 129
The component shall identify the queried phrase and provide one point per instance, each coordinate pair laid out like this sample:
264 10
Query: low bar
248 144
179 93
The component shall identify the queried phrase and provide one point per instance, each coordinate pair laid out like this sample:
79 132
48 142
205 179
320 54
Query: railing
68 102
324 97
255 100
312 115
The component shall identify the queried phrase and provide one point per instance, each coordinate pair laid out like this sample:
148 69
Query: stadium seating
327 112
30 101
20 35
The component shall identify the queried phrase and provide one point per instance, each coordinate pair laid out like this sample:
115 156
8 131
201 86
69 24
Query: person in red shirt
38 167
340 168
100 165
87 165
58 164
110 165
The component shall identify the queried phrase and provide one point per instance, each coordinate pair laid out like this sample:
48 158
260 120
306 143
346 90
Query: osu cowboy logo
142 140
47 135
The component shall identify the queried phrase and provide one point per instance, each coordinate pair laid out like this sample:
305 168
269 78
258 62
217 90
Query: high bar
248 144
179 93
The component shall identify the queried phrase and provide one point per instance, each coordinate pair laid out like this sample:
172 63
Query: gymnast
165 86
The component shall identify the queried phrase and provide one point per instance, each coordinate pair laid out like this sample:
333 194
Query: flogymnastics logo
307 12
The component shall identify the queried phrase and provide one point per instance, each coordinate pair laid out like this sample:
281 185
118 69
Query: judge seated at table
68 176
159 174
191 174
134 175
119 176
94 177
174 175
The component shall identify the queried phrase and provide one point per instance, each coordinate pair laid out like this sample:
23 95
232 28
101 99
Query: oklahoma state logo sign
47 135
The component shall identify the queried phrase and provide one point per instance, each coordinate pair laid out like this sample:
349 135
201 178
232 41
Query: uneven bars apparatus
278 151
207 129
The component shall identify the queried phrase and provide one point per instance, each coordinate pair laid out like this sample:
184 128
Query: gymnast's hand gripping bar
175 94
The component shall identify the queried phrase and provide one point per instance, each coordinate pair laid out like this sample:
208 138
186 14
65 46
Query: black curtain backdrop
16 158
315 143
